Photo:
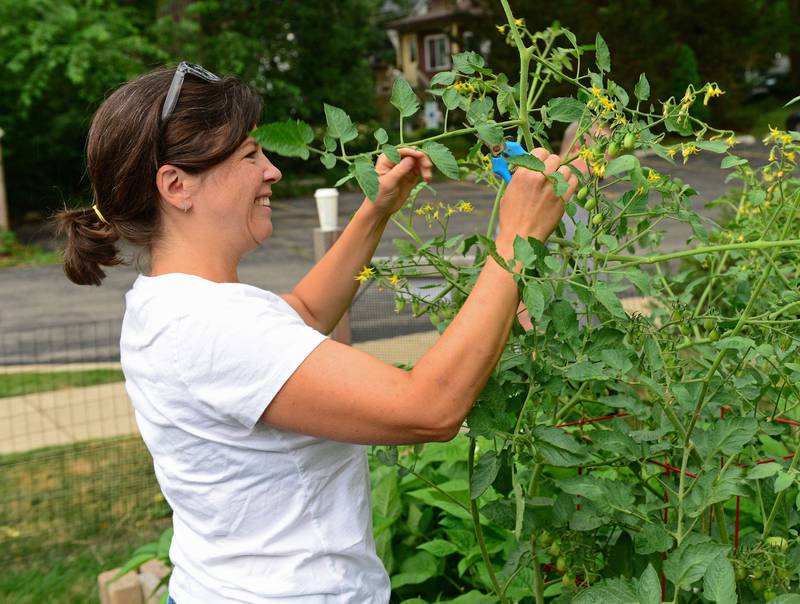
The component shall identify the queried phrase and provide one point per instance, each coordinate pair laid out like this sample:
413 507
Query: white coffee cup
327 208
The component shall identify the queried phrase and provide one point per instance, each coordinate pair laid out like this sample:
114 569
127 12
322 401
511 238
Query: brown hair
127 144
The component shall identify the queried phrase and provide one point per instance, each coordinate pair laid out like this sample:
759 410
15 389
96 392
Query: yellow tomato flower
501 28
599 169
786 138
731 140
653 176
712 91
608 104
519 22
585 153
465 207
772 154
689 150
671 151
366 274
595 91
394 280
790 156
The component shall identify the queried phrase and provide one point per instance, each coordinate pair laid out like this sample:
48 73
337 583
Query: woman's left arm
327 290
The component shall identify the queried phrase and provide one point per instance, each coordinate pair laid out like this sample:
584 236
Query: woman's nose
272 174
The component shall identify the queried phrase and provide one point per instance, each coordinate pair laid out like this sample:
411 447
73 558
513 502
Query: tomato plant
612 457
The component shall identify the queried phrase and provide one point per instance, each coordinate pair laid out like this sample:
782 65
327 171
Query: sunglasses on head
174 91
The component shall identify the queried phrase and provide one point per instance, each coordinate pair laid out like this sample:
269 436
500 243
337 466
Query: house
435 29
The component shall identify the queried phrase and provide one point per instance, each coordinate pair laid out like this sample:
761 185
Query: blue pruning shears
499 154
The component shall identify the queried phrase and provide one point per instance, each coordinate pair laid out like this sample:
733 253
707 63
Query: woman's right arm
343 394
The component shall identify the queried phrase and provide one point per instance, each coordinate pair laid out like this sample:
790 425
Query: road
43 316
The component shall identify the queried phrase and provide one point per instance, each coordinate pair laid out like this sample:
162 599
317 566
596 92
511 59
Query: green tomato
597 219
568 580
757 584
757 573
709 324
685 329
629 141
613 149
583 192
777 542
546 539
561 564
714 336
677 315
555 548
741 573
590 204
769 596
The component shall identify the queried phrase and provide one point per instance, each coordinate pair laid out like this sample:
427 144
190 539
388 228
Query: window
437 52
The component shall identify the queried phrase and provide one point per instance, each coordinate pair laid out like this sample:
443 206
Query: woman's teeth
262 201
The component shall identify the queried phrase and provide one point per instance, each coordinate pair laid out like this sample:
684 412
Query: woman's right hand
530 207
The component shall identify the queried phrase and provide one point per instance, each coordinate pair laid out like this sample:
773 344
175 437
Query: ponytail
90 244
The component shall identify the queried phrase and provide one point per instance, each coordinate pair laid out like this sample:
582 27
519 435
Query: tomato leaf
719 583
602 53
527 161
339 124
649 589
367 177
484 474
642 88
289 138
442 158
565 109
404 98
533 296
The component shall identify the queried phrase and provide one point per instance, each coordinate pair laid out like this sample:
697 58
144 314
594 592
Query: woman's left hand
395 181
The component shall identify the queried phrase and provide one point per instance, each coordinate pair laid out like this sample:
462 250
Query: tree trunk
4 222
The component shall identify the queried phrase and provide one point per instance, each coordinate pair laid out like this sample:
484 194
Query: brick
150 575
103 580
155 567
126 590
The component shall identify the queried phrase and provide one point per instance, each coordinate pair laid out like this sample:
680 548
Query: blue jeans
170 600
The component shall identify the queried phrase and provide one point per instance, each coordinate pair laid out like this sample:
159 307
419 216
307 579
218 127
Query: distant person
255 420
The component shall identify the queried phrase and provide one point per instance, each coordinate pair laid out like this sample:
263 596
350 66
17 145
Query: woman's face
233 197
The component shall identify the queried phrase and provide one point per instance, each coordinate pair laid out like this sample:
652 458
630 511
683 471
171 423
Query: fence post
4 223
323 241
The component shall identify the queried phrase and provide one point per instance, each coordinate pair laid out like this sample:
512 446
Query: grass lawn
28 382
68 513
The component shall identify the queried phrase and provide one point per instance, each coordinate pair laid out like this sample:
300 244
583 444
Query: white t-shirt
261 515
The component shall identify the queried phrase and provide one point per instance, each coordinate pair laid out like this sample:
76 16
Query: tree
58 59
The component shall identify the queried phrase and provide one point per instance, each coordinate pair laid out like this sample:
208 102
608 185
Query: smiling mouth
262 201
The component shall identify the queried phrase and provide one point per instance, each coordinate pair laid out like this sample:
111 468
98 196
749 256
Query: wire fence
72 465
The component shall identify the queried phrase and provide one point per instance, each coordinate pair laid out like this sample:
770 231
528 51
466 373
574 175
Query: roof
432 19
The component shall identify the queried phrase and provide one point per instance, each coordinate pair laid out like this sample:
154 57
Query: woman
256 422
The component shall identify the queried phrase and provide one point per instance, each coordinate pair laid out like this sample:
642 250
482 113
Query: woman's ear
174 186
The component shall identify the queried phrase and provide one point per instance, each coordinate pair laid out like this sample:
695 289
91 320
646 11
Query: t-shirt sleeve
235 358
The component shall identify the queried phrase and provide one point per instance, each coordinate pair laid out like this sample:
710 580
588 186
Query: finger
540 153
406 167
551 163
423 164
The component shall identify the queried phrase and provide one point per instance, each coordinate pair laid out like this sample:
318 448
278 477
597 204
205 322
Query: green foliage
60 58
57 61
546 505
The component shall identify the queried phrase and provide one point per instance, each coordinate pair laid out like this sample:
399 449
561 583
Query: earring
185 207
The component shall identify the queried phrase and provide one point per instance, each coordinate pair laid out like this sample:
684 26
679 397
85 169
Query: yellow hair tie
99 215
